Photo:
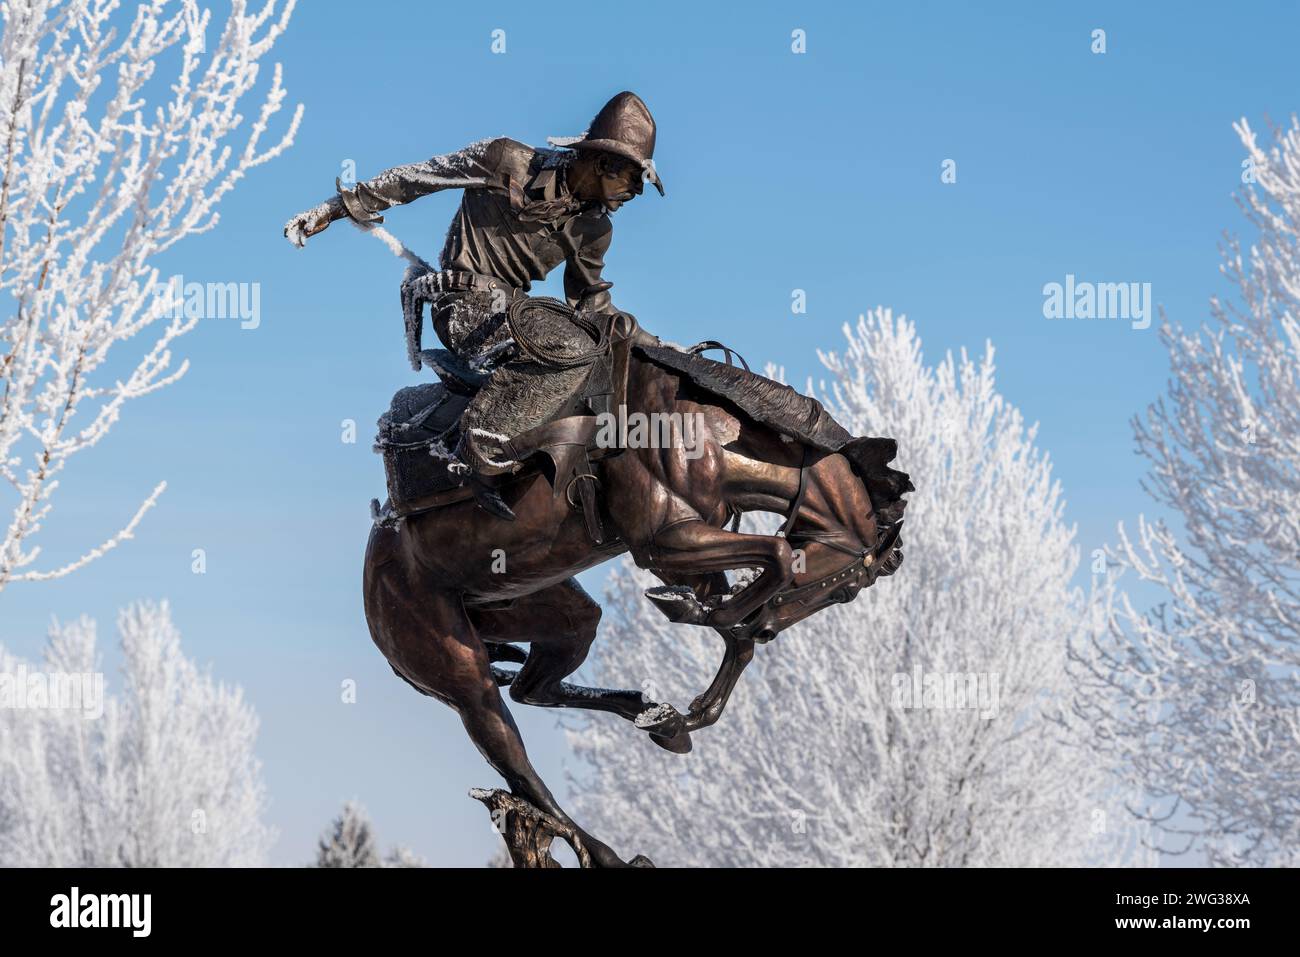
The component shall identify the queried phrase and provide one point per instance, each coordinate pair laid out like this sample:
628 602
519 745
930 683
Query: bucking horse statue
641 447
451 590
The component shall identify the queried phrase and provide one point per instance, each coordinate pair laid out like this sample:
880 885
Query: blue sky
818 171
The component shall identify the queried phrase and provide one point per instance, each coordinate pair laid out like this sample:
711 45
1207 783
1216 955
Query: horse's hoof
662 719
679 743
667 728
678 603
641 861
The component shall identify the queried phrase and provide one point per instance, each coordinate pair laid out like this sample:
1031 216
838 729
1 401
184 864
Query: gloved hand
313 221
595 299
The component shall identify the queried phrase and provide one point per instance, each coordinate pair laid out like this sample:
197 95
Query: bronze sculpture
449 587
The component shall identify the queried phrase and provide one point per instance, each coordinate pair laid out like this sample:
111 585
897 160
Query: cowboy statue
518 427
523 212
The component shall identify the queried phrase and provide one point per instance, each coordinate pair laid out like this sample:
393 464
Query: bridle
844 583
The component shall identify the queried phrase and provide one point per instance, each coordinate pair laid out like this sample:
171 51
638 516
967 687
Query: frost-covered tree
117 131
827 754
350 842
163 776
1198 698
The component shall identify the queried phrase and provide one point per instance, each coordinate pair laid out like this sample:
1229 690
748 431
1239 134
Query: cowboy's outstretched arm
464 169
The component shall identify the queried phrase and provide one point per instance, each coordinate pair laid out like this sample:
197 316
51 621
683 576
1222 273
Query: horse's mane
765 401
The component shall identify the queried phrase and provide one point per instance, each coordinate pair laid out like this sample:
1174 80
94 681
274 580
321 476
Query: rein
708 345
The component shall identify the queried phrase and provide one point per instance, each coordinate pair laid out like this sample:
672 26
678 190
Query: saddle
420 430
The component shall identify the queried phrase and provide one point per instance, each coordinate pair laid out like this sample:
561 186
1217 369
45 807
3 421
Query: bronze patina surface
460 573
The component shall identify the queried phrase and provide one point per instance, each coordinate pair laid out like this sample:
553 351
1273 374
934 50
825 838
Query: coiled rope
550 357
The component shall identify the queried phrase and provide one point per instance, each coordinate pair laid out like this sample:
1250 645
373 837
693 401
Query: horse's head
844 530
835 586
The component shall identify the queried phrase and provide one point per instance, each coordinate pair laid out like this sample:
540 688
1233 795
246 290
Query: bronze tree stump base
528 832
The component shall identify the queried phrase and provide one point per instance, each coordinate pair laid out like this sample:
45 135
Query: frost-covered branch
120 129
161 772
1199 697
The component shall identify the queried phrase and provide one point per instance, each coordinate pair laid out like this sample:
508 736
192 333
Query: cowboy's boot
483 466
489 499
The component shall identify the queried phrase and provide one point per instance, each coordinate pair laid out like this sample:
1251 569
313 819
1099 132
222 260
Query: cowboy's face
615 181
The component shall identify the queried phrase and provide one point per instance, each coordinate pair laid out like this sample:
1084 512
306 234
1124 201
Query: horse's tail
870 458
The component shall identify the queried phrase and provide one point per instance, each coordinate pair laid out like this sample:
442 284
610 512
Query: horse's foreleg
694 547
707 708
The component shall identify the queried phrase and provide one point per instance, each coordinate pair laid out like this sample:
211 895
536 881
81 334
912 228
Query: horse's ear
869 453
870 458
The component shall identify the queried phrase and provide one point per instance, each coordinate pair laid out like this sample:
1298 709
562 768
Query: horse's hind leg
430 642
560 623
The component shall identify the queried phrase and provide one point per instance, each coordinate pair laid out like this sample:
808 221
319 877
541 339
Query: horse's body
446 590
